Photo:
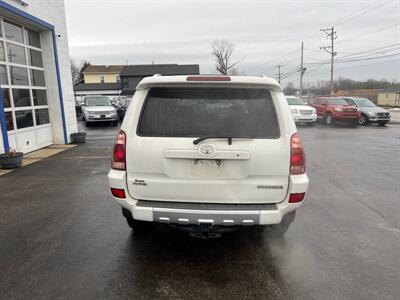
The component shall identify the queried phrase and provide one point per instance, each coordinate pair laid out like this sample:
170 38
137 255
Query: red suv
332 109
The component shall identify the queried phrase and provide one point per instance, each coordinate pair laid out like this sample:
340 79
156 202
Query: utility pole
279 73
302 69
330 34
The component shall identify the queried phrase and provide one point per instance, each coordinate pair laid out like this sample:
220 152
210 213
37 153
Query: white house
37 106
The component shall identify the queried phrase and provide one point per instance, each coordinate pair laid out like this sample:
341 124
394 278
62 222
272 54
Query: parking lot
62 236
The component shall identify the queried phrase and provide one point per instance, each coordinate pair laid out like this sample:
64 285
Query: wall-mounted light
21 2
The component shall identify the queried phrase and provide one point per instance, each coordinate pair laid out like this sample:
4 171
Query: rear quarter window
197 112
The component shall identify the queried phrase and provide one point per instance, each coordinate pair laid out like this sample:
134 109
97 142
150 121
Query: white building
37 106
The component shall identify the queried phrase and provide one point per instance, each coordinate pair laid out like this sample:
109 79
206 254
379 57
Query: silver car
370 113
99 109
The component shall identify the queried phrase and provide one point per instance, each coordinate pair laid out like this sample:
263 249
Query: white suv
301 112
208 153
99 109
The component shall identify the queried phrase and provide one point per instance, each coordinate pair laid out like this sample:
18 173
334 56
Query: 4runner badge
207 149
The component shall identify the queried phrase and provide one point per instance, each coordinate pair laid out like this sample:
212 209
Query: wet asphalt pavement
61 236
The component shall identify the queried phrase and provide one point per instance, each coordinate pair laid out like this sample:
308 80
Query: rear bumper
214 214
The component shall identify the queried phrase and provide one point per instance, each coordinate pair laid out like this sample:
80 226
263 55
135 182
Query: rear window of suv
197 112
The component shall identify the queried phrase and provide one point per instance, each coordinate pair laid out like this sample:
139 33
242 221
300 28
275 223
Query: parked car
208 154
301 112
125 101
332 109
98 109
370 113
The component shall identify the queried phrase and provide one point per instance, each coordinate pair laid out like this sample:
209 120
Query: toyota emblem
207 149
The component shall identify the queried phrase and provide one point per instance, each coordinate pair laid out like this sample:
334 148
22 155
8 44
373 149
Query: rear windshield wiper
203 138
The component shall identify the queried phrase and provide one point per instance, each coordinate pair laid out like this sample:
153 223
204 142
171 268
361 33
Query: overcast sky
265 34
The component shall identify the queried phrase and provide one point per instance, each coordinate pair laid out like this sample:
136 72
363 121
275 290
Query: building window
22 77
21 97
2 55
13 32
24 118
16 54
37 78
6 98
39 97
19 76
42 116
9 121
35 58
102 79
3 75
33 38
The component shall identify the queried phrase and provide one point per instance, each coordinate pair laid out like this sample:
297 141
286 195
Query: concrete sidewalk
38 155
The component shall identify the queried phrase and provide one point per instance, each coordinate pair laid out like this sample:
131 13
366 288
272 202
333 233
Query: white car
208 153
301 112
99 109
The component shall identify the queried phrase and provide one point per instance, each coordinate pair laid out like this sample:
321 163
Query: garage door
23 87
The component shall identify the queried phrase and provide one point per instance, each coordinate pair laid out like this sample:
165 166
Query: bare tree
77 71
234 72
74 72
222 51
84 65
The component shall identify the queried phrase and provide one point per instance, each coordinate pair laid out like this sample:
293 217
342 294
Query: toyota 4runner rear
209 153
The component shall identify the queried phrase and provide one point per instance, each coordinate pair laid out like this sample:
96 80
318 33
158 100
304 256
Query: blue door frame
41 23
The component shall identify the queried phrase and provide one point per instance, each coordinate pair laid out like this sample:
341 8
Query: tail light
297 156
118 193
119 152
295 198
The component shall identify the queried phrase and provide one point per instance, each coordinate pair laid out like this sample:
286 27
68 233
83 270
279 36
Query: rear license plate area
206 168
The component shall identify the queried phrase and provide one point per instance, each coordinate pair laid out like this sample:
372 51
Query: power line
269 61
309 49
358 12
291 72
363 65
361 54
356 59
369 58
375 49
369 33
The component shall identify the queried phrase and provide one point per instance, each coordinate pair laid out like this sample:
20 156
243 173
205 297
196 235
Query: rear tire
135 224
283 226
328 119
